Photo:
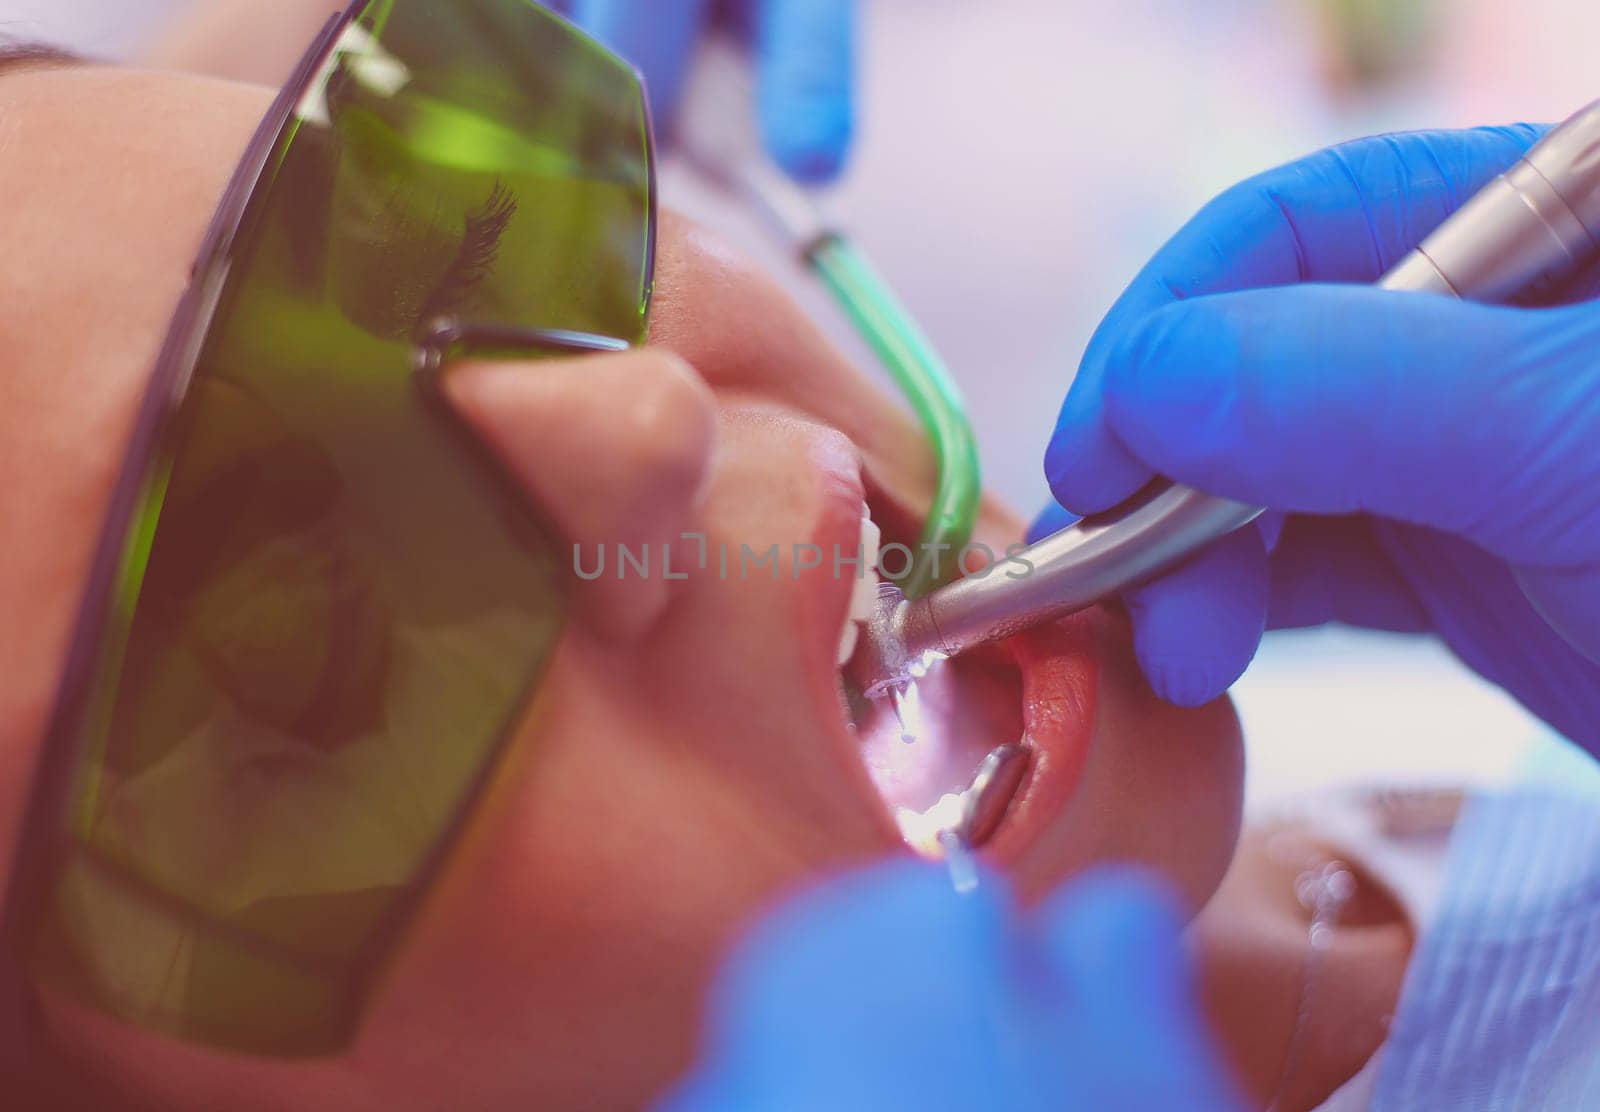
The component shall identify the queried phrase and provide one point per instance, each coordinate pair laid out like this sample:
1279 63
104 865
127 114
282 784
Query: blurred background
1018 160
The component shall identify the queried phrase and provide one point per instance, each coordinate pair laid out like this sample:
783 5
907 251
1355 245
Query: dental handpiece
1526 231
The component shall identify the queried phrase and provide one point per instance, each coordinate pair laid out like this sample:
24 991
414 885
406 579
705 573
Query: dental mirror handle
1524 232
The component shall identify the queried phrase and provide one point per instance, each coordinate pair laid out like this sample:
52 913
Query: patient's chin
1180 770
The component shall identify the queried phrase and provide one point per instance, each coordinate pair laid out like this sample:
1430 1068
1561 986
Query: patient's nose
615 448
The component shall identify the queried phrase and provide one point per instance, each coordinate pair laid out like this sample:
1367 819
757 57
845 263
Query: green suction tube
923 378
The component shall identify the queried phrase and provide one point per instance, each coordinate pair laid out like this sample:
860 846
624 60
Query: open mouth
925 744
985 747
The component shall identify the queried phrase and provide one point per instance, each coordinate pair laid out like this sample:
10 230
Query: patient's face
688 758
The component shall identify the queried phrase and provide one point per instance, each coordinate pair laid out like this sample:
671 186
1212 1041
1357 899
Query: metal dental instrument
993 787
1524 232
984 804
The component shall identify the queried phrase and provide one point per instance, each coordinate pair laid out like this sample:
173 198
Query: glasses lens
328 614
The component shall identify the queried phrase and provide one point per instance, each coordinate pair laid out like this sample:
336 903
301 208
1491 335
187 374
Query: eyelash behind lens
481 234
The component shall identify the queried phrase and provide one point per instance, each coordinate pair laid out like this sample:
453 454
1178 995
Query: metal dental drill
1524 232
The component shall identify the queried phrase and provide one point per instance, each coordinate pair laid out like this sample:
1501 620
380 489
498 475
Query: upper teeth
864 594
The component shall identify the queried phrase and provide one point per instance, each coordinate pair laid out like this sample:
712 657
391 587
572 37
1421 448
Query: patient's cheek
88 283
60 463
75 379
732 321
700 280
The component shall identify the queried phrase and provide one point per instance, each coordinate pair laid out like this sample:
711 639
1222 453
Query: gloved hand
805 58
886 989
1436 463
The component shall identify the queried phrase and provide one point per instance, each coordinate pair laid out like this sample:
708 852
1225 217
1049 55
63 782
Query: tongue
924 748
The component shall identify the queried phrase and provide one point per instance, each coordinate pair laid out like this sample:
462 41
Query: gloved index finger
1344 214
805 57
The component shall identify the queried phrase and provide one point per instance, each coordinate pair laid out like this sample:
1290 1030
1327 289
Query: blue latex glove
1436 462
804 59
887 990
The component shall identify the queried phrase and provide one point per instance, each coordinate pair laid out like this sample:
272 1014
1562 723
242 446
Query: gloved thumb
869 991
1477 420
1114 948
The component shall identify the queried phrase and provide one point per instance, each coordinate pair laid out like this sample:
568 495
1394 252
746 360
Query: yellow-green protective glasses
316 615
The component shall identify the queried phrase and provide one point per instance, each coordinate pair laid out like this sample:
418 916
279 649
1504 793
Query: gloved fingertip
860 960
849 932
1189 675
1115 935
1087 467
1196 629
1184 683
807 123
1063 463
1052 519
806 58
1116 917
812 153
1089 471
874 899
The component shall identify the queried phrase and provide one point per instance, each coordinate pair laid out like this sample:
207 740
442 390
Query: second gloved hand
1435 463
885 989
804 53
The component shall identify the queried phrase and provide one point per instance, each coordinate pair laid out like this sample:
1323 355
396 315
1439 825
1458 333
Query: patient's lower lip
1060 668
